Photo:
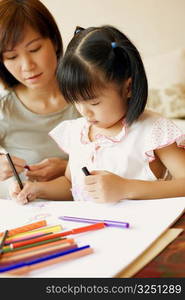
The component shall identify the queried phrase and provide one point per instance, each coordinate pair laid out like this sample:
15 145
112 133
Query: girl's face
33 61
108 108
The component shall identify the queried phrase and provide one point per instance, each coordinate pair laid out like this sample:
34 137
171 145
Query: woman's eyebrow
30 42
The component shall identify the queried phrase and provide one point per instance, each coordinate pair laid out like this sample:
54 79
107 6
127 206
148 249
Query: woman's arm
47 169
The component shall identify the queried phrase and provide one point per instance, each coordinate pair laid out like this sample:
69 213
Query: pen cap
86 172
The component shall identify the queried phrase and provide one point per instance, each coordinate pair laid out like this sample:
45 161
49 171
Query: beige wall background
157 29
155 26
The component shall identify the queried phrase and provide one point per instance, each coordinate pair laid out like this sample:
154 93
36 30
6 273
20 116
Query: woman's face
33 61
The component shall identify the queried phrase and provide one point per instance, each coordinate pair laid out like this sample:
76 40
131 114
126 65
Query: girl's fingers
90 188
30 197
27 194
91 179
22 198
21 201
14 190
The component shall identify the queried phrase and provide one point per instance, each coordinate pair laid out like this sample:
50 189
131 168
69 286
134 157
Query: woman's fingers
48 169
5 169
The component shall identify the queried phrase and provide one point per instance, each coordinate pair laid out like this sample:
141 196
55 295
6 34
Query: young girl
30 47
131 153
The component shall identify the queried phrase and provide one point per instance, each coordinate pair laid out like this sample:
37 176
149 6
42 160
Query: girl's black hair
99 55
15 15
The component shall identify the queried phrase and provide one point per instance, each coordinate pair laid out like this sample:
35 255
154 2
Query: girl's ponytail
139 85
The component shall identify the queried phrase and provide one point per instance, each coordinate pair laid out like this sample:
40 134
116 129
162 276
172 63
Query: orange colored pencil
37 254
26 228
27 269
51 229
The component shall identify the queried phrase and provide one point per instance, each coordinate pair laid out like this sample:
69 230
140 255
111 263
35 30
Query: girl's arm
173 158
140 189
103 186
57 189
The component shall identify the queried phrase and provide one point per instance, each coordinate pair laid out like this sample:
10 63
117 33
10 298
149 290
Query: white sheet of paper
114 248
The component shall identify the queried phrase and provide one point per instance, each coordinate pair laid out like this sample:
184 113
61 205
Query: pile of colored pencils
37 245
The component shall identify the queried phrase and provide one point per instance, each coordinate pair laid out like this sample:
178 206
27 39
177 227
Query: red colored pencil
37 247
60 234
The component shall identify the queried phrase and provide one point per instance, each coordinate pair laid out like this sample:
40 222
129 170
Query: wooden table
171 261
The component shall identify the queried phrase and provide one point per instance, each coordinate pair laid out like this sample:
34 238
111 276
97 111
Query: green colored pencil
9 249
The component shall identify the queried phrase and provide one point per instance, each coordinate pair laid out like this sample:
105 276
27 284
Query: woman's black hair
99 55
14 16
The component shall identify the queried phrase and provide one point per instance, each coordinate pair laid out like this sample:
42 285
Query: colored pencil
37 254
3 240
27 167
37 247
94 221
73 255
26 228
12 248
86 171
42 259
29 237
53 228
57 235
16 175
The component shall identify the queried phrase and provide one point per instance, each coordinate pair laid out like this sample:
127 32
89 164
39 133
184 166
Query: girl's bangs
78 81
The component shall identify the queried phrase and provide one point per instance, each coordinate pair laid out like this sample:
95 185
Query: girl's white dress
128 154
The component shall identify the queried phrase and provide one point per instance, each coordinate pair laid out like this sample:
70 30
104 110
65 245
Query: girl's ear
128 86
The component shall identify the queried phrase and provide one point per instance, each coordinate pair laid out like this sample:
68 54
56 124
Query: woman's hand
104 186
5 169
30 192
47 169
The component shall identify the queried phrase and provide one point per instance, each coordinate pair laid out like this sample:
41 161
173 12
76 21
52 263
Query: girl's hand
30 192
6 171
47 169
104 186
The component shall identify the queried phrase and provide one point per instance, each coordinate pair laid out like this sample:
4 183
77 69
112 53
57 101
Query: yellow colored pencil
26 228
54 228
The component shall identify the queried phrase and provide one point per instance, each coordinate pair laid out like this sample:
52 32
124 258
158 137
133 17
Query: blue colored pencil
42 259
